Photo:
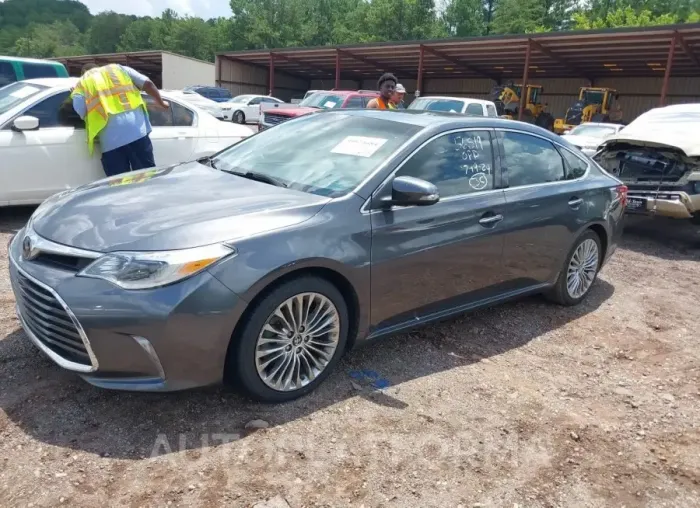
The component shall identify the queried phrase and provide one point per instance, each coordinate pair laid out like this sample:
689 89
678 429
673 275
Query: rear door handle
490 220
575 202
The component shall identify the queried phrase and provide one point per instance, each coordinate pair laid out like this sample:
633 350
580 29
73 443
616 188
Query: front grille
48 320
274 119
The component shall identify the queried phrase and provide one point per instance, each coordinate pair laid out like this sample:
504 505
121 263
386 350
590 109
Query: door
428 259
541 211
252 109
37 164
174 135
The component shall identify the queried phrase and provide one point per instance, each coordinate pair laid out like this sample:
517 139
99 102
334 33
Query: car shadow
13 218
58 408
666 238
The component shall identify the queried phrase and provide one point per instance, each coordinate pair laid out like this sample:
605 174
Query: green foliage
46 28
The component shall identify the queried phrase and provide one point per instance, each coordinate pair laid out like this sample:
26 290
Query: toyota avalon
263 264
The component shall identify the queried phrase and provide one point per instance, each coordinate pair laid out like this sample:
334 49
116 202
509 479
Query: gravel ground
526 404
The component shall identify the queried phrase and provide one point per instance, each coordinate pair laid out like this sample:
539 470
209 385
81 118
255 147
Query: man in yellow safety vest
109 99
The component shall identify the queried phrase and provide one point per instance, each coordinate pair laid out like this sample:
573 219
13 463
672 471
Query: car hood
291 111
583 141
178 207
673 126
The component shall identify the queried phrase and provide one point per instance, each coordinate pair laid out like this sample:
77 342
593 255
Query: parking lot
527 404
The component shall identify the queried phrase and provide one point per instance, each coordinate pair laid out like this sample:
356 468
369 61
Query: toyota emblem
27 247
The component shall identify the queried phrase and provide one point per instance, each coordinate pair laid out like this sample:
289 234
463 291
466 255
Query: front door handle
575 202
490 220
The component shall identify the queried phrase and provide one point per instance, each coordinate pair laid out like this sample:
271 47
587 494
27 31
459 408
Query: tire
695 219
546 121
560 293
600 118
243 364
239 117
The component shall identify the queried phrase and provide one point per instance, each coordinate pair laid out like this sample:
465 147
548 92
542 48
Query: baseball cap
400 89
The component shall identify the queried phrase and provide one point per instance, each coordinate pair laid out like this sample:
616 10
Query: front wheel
239 117
291 342
579 271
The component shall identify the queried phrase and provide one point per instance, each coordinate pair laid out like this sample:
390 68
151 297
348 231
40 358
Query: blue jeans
131 157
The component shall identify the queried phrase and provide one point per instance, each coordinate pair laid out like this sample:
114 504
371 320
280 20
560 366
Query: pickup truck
333 99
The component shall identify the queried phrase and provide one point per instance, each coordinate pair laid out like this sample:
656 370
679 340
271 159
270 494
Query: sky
201 8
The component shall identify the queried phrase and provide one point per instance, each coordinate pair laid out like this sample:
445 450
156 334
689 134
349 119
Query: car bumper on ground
164 339
674 204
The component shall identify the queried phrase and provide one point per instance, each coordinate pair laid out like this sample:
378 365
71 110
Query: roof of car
424 119
52 82
601 124
466 99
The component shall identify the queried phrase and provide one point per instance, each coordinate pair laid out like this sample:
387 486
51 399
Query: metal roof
586 54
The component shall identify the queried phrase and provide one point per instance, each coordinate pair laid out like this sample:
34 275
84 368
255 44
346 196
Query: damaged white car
658 157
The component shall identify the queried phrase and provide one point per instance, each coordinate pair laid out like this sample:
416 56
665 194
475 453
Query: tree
465 18
106 30
620 18
61 38
519 17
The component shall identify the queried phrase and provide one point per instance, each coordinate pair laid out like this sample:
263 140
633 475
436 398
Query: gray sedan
263 264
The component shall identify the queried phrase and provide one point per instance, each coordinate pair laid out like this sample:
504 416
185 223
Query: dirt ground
527 405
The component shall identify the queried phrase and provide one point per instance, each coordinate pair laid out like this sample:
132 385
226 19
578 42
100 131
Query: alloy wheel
582 269
297 342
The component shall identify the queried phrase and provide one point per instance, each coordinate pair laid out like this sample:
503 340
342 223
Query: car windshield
323 154
323 101
428 104
16 93
241 98
594 131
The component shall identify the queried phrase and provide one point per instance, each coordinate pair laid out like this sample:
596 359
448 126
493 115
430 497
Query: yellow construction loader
507 100
593 105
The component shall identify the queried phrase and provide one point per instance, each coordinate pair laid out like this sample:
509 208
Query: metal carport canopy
627 52
149 63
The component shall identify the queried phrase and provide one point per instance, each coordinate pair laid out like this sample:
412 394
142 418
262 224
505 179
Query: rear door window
530 160
491 110
7 73
575 166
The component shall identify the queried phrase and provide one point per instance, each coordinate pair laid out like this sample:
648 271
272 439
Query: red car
332 99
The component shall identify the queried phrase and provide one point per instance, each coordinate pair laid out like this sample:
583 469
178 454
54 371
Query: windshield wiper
258 177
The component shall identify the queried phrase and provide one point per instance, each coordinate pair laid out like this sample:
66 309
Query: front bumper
227 115
164 339
667 203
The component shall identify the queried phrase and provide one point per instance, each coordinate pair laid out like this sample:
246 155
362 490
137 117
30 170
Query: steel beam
667 71
523 90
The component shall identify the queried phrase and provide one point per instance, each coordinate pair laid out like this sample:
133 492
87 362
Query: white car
246 108
464 105
588 136
215 109
43 145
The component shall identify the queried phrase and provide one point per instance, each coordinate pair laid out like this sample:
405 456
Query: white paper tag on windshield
359 146
24 92
329 104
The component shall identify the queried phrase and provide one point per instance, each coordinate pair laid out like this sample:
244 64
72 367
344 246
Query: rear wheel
291 342
579 271
239 117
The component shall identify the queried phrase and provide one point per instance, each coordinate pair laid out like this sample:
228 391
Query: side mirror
410 191
25 123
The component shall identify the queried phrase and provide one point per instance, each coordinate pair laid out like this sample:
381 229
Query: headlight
146 270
